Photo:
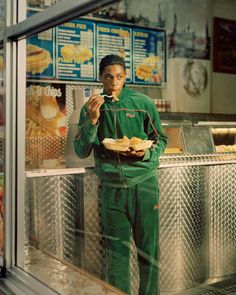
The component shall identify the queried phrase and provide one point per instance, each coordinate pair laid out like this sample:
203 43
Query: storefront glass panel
2 136
62 217
60 69
2 130
35 6
60 240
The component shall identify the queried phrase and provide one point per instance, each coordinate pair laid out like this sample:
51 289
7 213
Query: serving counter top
172 160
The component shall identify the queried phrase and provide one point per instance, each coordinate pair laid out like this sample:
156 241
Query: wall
223 94
220 94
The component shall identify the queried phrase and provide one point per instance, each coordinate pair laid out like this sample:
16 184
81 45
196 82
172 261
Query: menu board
40 59
75 50
148 56
112 39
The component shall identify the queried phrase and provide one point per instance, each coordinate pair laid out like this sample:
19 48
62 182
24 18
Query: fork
105 95
110 96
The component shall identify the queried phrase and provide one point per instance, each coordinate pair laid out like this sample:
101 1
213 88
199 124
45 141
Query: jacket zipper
118 156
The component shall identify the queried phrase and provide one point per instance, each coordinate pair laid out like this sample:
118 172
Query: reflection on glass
2 15
38 5
2 137
62 217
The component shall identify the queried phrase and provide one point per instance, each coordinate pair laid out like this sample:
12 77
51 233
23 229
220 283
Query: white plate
110 144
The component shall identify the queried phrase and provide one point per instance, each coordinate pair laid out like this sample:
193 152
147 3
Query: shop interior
171 57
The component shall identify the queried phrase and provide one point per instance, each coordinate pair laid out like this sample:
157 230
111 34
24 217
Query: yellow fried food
152 61
126 141
144 72
78 53
135 140
123 141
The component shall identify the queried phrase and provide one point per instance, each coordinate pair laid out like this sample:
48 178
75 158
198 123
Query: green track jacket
134 115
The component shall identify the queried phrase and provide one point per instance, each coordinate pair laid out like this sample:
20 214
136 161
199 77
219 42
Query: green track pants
135 207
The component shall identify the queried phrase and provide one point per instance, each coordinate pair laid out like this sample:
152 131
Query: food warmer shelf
223 134
197 139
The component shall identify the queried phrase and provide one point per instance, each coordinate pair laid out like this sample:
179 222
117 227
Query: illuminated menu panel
40 59
75 50
148 56
113 39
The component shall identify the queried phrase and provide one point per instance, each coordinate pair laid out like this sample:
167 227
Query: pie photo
37 60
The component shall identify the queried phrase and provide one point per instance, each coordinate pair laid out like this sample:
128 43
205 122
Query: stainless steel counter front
197 220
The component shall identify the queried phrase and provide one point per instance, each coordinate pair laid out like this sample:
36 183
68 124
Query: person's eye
108 78
119 77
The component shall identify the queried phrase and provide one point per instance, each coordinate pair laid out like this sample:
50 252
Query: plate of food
125 144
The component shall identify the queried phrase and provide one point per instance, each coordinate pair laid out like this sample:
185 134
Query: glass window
60 237
63 232
2 17
34 6
2 130
61 216
2 136
63 237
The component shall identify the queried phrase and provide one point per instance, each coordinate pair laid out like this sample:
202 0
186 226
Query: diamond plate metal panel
134 270
182 227
95 256
95 244
206 159
182 233
52 215
222 220
197 204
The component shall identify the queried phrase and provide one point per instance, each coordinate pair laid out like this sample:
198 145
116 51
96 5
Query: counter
197 215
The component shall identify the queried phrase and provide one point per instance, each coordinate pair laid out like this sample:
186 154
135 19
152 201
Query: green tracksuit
129 192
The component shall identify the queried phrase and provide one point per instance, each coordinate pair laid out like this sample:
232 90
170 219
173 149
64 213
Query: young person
129 187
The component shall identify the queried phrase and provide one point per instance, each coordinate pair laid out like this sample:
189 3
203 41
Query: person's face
113 78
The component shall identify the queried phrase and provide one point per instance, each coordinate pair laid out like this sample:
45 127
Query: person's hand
93 105
132 153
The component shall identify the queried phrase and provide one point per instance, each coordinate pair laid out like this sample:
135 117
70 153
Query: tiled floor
226 286
64 278
4 289
69 280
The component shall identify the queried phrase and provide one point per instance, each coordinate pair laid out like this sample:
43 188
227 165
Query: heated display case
224 137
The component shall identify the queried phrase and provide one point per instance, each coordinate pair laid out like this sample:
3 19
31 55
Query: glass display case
175 145
224 138
223 135
197 134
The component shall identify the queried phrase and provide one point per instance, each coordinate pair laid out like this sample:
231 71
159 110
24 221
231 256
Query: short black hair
111 59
